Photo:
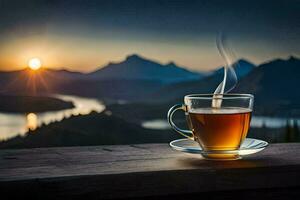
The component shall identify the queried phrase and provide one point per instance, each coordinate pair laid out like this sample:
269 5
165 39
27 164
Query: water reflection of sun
31 121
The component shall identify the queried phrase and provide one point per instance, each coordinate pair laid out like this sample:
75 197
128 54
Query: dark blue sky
85 34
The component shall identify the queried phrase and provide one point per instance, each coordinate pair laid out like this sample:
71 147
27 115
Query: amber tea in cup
219 131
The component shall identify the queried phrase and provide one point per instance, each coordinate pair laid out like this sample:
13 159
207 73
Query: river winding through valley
14 124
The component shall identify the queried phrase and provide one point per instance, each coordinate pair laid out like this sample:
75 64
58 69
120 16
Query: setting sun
34 64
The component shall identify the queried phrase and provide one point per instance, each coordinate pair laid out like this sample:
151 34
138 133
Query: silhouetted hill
92 129
27 104
136 67
275 86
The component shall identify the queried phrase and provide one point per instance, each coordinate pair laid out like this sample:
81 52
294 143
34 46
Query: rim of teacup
218 96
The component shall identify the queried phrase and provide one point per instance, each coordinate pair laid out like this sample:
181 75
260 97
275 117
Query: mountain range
132 77
135 67
241 67
125 80
275 87
207 84
137 79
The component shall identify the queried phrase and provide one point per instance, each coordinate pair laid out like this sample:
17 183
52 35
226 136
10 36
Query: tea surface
220 129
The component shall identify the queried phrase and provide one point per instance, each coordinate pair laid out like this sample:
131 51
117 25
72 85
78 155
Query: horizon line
147 59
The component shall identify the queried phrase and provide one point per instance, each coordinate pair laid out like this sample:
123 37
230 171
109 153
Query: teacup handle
172 110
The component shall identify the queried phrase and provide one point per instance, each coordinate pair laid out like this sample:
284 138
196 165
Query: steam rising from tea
230 78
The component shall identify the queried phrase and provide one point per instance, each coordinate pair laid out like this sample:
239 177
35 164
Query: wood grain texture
136 171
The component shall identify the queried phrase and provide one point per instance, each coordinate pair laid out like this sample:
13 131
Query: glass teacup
219 130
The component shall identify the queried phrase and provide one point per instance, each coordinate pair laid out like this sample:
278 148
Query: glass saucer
248 147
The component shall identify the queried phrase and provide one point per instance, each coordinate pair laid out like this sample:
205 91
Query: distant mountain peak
244 61
171 64
134 57
244 64
293 58
241 67
136 67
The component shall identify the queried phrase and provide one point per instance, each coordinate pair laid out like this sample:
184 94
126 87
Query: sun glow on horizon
34 63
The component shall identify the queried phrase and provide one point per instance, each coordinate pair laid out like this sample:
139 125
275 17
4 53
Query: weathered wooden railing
147 171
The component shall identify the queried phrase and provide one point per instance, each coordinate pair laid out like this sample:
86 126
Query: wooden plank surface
126 171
